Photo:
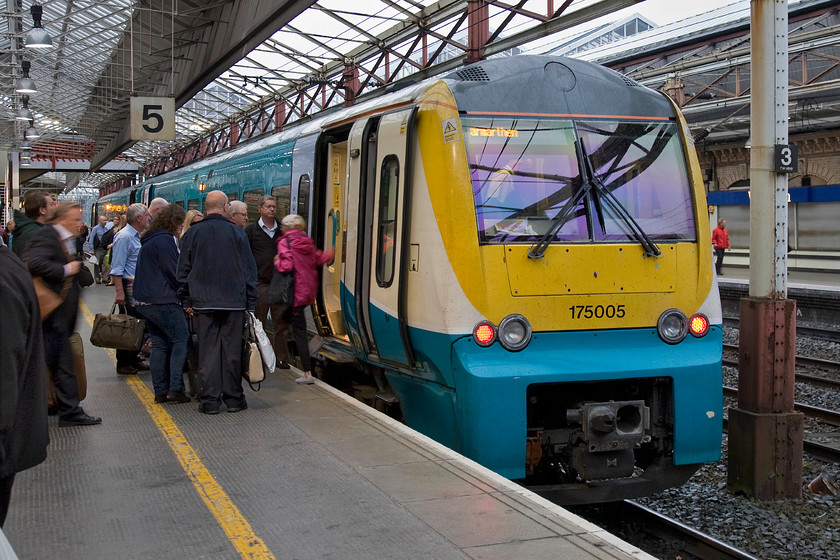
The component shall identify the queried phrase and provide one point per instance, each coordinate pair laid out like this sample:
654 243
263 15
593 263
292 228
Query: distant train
521 259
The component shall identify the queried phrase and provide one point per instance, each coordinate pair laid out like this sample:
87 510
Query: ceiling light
38 38
26 84
32 133
25 146
24 114
25 161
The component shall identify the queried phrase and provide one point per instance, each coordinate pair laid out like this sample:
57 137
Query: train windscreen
575 180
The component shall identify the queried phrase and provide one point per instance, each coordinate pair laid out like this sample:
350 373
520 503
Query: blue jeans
167 326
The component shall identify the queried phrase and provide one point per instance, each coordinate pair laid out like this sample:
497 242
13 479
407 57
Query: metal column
765 433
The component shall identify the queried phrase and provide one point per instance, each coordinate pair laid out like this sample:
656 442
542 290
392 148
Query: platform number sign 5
786 158
153 118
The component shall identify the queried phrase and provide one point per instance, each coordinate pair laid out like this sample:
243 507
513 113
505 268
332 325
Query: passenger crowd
184 273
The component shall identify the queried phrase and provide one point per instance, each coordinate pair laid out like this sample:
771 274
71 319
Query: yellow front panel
590 269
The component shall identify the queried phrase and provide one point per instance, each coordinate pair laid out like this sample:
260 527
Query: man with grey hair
123 265
238 213
155 205
217 301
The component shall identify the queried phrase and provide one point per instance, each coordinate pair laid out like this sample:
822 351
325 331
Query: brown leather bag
48 300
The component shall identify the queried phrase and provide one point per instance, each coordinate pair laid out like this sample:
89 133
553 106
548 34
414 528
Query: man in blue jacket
217 292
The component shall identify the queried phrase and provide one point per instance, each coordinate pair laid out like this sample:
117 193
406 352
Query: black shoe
79 420
52 410
160 399
282 365
242 406
177 397
126 370
204 410
141 366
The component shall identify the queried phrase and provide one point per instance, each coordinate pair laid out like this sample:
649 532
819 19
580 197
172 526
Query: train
522 263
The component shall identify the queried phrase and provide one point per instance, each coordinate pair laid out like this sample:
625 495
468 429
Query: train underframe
601 441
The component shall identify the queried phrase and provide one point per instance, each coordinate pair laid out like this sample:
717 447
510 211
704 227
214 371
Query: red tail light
698 325
484 333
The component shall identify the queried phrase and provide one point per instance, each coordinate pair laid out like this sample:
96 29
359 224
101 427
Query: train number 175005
597 311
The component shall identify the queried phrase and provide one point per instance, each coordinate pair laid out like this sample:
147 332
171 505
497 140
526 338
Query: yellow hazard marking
236 527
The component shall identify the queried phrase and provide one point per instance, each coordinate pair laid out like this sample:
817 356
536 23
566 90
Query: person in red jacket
296 251
720 242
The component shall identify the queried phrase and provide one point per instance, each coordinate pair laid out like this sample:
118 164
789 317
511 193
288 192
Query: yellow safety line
234 524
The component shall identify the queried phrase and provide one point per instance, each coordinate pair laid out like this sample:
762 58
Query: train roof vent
473 74
631 83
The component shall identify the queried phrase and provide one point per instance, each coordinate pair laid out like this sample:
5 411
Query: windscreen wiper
604 195
538 249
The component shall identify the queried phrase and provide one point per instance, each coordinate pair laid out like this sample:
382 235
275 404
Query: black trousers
220 357
301 339
59 357
281 327
5 496
719 259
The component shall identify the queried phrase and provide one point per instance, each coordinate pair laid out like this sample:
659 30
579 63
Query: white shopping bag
267 353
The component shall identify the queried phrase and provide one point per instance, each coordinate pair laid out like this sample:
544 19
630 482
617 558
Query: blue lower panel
428 407
491 386
386 332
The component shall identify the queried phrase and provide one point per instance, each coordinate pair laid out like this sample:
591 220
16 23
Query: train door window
193 204
179 203
232 196
303 196
252 201
386 255
283 195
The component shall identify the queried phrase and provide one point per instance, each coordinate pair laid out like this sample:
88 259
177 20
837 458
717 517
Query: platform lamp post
765 433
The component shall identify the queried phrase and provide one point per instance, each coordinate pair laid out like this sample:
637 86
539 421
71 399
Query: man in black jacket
50 256
218 283
262 237
23 399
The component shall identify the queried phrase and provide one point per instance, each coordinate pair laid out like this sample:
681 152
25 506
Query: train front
595 371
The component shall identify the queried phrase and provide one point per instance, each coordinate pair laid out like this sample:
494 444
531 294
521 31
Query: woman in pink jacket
296 251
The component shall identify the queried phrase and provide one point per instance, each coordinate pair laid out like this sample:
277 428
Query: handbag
84 277
117 330
48 300
281 291
269 360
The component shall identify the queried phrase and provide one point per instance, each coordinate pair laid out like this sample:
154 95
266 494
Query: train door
388 327
333 209
358 220
303 170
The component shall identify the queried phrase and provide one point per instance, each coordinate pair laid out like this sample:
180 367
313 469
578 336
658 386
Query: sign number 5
152 118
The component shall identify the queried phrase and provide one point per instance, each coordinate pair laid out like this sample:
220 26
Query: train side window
303 196
252 201
193 204
283 195
232 196
386 255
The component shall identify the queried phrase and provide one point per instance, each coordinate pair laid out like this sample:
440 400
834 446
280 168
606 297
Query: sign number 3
786 158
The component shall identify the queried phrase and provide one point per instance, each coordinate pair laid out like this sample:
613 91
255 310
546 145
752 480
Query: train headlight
672 326
514 333
484 333
698 325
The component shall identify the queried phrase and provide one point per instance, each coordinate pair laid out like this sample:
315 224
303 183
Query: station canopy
222 60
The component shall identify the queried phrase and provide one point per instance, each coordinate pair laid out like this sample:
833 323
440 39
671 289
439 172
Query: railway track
801 330
632 521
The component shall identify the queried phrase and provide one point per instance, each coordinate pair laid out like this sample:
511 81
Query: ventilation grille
473 74
629 82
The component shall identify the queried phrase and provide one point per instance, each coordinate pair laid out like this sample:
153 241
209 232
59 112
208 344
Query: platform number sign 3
153 118
786 158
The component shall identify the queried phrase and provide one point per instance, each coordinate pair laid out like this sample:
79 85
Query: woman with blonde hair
297 252
193 217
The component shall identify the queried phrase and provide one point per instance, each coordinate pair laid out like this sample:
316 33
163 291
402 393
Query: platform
829 281
305 472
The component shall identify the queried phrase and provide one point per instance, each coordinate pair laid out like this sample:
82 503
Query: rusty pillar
478 33
351 83
765 433
234 133
279 114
